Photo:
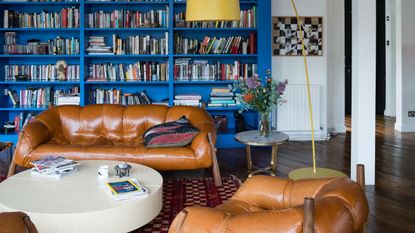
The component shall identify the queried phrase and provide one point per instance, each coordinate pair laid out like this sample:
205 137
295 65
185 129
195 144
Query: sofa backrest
104 124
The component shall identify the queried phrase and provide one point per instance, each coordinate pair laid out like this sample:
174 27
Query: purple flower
281 87
252 83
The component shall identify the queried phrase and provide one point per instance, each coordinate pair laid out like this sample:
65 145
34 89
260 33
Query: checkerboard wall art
286 36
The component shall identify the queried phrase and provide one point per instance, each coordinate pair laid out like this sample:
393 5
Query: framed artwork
286 36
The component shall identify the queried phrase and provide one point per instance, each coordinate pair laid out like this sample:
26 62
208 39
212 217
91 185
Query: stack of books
188 100
54 166
222 97
97 46
125 190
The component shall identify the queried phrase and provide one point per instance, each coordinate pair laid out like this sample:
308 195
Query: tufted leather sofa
114 132
275 205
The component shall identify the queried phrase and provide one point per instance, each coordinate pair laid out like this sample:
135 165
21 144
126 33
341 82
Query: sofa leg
12 169
216 171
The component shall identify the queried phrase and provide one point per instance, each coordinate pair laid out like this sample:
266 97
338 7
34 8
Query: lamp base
308 173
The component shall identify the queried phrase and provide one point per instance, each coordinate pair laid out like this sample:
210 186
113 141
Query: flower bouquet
261 96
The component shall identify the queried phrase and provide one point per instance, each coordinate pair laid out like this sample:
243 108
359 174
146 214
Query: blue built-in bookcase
157 88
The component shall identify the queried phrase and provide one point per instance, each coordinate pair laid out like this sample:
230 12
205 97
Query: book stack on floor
222 97
188 100
53 166
97 46
125 190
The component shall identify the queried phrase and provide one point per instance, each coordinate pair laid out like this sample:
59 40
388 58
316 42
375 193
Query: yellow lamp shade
212 10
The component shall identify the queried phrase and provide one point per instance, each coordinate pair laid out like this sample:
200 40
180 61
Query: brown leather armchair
16 222
274 205
115 132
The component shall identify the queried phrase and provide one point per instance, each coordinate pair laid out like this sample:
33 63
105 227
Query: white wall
292 67
390 95
405 68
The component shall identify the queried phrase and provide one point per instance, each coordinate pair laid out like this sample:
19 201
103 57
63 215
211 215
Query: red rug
180 193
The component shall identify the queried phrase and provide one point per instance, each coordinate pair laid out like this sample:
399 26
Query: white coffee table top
78 202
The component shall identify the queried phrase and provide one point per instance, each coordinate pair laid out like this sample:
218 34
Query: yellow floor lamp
223 10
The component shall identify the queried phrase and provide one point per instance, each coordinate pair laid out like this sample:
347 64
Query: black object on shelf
239 122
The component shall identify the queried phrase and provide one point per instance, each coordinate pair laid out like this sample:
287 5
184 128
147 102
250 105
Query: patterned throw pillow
171 134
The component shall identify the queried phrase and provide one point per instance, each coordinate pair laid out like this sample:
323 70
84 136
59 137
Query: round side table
252 138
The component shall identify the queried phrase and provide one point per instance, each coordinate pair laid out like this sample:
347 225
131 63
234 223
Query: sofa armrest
32 136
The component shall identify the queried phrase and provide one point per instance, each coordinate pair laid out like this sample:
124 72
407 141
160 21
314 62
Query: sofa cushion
171 134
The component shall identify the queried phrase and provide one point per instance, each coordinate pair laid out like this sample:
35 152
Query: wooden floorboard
391 201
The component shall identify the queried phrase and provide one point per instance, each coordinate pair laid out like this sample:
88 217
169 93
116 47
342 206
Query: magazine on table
125 189
54 166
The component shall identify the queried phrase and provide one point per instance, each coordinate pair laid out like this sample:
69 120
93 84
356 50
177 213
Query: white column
335 66
364 87
405 69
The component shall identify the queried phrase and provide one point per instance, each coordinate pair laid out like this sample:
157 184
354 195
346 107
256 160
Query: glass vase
264 124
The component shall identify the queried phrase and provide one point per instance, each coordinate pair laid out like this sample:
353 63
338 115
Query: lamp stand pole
310 172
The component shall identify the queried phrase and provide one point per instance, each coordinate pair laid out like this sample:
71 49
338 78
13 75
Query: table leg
274 159
248 159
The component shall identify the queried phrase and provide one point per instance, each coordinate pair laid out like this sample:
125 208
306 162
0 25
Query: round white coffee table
78 202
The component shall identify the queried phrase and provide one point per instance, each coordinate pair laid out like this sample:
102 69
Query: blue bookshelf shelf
17 108
39 29
129 56
128 29
36 56
125 83
39 82
233 30
127 3
202 82
39 3
218 55
159 90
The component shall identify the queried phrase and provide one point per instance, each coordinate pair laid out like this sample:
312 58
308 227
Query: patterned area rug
180 193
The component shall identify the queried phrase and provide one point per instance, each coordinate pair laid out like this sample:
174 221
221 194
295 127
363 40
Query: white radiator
293 116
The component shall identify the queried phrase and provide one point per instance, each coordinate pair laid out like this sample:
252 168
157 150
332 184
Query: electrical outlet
411 114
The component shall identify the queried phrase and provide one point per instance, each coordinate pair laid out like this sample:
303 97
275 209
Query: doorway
380 57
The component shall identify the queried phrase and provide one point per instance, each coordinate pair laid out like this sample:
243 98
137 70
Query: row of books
140 71
129 19
53 166
188 100
130 45
186 69
67 18
40 97
214 45
116 96
59 45
140 45
247 20
39 72
222 97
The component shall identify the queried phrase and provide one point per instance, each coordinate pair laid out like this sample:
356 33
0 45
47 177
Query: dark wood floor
391 201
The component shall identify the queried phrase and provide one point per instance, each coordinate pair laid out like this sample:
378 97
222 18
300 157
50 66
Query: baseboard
337 129
306 136
405 128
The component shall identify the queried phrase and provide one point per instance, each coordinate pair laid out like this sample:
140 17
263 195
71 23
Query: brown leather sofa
115 132
16 222
276 205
